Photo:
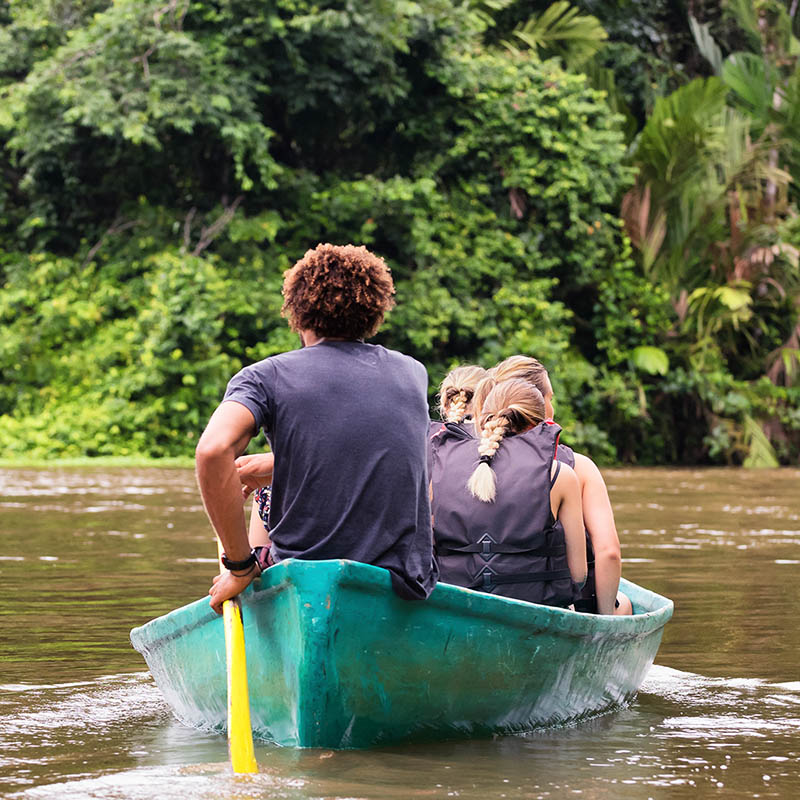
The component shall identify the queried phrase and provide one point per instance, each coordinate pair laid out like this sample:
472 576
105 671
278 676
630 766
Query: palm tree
714 201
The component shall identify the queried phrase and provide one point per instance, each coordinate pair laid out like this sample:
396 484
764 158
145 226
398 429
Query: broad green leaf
732 298
221 102
652 360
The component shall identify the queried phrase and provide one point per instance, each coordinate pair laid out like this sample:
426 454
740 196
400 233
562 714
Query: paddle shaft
240 732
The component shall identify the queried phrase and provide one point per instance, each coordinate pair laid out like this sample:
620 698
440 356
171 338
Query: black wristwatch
238 566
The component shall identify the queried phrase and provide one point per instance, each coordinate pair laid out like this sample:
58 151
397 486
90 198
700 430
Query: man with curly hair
347 424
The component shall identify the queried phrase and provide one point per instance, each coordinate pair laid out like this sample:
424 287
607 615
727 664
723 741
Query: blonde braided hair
511 406
457 406
457 390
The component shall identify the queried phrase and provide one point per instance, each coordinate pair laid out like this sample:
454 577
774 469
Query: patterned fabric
263 498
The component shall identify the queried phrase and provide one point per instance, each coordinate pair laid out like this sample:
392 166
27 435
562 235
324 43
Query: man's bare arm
226 436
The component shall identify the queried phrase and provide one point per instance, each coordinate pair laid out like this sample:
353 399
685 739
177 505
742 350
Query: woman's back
511 546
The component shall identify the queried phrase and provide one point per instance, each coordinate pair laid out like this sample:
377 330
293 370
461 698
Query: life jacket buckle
486 542
488 582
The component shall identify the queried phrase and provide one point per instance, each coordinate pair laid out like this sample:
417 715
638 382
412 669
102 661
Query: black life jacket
512 546
587 602
437 427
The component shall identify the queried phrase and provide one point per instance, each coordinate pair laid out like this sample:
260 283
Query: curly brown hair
338 291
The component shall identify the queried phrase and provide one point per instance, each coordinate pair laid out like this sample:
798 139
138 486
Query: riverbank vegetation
610 186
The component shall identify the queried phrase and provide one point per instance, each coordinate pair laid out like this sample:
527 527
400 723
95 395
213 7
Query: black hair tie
485 460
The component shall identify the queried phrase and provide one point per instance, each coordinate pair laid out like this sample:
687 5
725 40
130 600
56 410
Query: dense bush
164 162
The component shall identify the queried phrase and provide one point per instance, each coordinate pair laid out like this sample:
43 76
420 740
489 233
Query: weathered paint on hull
336 660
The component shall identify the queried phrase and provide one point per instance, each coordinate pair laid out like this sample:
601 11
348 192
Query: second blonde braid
457 406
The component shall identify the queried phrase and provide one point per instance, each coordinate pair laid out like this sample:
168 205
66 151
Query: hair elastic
485 460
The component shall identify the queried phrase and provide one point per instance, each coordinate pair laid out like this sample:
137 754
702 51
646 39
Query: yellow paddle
240 732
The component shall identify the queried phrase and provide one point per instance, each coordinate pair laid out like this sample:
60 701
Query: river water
87 554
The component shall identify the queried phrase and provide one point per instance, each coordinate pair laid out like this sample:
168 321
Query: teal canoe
335 659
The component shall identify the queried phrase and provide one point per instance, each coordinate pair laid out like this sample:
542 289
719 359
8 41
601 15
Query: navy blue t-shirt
347 422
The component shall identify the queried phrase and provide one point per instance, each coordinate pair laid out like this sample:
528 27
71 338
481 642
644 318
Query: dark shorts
588 605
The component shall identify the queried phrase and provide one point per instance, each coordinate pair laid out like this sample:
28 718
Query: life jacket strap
554 478
488 579
488 548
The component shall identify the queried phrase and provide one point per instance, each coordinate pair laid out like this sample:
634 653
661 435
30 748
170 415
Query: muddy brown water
87 554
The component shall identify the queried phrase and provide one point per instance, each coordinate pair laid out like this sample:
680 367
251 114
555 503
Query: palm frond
706 44
744 14
673 137
705 175
561 30
753 81
760 453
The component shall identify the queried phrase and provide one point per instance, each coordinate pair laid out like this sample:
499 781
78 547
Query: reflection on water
686 733
86 555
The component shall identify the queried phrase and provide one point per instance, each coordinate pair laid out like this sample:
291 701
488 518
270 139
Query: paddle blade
240 732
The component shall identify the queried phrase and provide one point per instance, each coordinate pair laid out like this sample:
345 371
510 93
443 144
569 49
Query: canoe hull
336 660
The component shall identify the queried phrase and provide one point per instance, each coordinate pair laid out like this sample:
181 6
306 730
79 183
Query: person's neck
309 338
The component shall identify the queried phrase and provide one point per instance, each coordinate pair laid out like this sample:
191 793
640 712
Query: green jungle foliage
609 186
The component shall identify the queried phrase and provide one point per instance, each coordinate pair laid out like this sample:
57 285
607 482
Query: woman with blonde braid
455 400
512 524
601 593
